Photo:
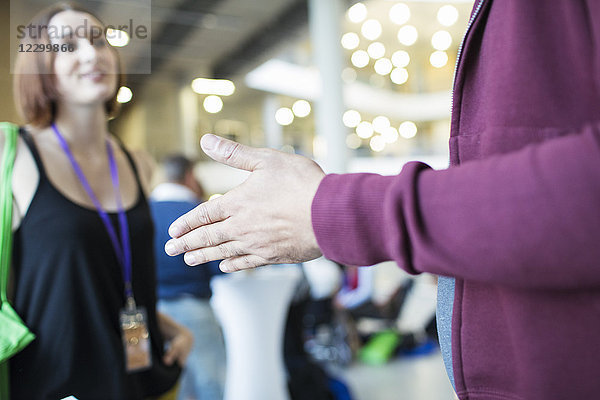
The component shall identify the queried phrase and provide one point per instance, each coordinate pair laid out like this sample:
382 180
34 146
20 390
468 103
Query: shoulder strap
28 139
8 159
133 166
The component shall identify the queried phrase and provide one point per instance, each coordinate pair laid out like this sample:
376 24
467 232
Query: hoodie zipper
460 48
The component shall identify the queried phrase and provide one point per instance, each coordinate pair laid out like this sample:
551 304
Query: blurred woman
83 266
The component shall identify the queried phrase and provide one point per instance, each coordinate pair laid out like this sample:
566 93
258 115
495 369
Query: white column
188 115
324 22
272 130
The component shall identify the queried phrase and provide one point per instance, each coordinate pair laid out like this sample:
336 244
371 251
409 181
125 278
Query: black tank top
69 291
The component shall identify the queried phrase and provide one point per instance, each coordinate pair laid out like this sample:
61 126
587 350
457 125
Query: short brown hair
34 85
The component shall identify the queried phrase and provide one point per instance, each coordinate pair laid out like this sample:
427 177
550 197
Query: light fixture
447 15
371 29
353 141
213 104
408 35
376 50
350 40
116 37
399 13
349 75
364 130
441 40
390 134
399 76
383 66
438 59
301 108
377 143
400 58
360 59
357 12
124 95
380 123
351 118
284 116
219 87
407 129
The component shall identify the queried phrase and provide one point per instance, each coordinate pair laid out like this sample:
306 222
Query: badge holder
136 338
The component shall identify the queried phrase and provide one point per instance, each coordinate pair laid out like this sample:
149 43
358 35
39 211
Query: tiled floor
404 378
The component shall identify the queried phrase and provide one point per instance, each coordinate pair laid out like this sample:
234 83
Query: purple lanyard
122 249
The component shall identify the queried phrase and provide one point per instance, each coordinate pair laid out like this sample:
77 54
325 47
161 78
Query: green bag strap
6 202
8 158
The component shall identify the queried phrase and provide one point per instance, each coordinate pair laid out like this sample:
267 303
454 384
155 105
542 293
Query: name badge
136 339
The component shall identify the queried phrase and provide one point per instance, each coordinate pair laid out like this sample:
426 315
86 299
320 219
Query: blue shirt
174 277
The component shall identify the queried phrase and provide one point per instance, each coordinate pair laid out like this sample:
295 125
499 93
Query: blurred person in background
511 228
184 293
83 266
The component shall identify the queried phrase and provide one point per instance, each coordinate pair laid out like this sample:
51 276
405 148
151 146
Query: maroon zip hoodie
516 219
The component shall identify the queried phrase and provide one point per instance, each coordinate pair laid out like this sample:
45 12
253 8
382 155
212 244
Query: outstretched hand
265 220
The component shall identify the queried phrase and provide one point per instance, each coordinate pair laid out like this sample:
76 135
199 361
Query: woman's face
88 74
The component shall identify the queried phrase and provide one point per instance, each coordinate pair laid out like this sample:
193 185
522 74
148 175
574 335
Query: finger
219 252
204 236
240 263
206 213
232 153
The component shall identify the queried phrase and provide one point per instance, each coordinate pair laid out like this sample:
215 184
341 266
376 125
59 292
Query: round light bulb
357 13
399 13
441 40
383 66
399 76
447 15
350 41
284 116
408 35
371 29
213 104
438 59
360 59
351 118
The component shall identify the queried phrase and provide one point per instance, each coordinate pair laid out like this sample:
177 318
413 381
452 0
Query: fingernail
209 142
175 230
190 259
170 248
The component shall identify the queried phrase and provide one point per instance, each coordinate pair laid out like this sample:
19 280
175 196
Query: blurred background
357 86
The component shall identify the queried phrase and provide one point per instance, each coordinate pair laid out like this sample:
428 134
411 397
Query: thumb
231 153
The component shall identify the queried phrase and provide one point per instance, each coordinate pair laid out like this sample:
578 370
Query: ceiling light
383 66
360 59
441 40
407 129
116 37
438 59
213 104
380 123
353 141
407 35
399 13
376 50
219 87
447 15
350 40
124 95
371 29
364 130
351 118
399 76
284 116
400 58
357 12
301 108
377 143
390 134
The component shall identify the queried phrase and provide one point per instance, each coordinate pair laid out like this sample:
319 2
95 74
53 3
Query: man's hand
265 220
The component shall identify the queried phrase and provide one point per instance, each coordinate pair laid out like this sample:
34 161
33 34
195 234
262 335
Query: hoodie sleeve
530 218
